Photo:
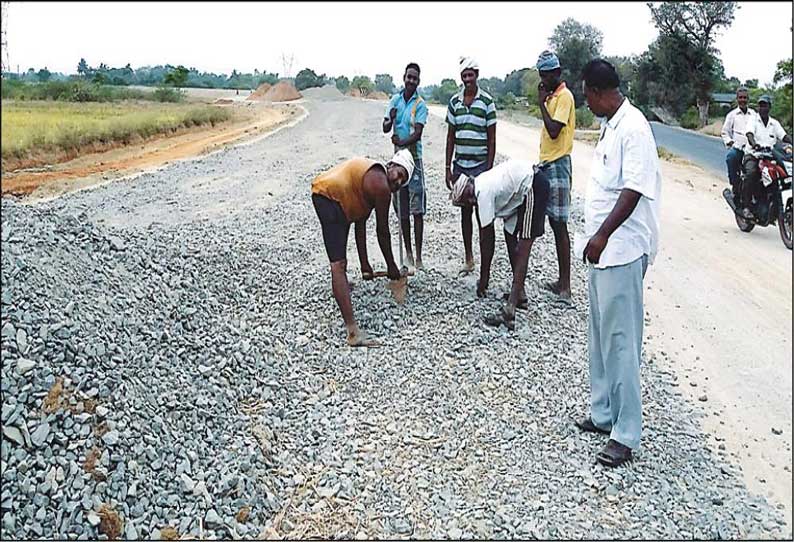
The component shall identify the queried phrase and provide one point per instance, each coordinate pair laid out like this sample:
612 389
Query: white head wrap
468 63
403 158
458 188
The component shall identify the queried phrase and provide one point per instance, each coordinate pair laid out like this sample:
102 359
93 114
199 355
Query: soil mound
259 93
283 91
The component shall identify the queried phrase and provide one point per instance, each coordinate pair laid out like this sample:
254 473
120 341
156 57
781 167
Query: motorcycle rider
764 131
734 131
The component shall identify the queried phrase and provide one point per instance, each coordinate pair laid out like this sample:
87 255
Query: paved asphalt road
706 151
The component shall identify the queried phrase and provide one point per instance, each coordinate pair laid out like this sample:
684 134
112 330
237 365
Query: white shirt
625 157
766 135
736 126
500 192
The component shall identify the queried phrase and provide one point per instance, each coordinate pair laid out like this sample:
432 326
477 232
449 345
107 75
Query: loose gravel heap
173 364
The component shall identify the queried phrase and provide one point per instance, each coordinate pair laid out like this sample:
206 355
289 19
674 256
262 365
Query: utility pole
286 64
5 59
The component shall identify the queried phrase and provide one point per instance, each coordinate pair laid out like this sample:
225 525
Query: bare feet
359 338
554 287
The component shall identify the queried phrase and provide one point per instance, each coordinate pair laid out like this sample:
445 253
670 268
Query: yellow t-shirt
561 108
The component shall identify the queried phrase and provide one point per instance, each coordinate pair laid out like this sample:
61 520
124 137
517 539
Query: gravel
182 358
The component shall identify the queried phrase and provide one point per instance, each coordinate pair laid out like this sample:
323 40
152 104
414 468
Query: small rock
111 438
24 365
39 436
212 519
776 431
703 398
13 434
93 519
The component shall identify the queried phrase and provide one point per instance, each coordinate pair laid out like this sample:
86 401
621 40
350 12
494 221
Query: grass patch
45 126
665 154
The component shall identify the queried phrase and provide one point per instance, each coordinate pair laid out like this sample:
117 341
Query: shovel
400 286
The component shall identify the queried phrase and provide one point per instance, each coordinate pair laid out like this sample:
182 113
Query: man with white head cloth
516 192
471 139
346 194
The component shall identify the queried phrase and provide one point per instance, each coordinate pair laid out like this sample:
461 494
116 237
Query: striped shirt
471 123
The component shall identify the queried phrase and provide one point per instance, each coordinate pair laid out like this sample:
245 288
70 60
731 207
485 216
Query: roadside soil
97 167
718 313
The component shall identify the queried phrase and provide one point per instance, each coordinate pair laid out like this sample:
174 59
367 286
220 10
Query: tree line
675 78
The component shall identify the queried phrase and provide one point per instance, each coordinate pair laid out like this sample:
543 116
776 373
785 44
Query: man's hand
393 114
449 179
543 94
396 140
595 246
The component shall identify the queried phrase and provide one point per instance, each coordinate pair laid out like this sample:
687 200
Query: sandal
523 304
588 426
498 319
614 454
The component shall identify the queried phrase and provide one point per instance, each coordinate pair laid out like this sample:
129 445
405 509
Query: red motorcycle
773 199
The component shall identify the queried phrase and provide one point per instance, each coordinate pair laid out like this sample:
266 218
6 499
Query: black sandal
614 454
588 426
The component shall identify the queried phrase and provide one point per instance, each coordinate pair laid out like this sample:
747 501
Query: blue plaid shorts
559 175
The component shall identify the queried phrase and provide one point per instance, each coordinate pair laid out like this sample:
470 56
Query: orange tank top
344 184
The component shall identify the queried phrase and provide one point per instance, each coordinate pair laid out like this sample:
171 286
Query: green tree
575 44
662 78
342 83
363 84
306 78
82 68
177 77
44 75
696 24
782 106
384 83
444 91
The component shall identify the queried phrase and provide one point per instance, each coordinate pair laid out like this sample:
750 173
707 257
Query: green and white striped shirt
471 124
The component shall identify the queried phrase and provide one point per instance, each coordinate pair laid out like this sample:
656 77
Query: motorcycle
772 202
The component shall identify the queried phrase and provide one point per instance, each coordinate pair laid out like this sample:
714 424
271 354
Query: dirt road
97 167
720 308
193 303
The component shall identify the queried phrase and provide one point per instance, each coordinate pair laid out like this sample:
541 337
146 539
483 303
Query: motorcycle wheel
784 224
744 225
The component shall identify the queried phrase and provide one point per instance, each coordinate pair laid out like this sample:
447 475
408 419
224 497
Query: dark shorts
412 196
532 213
335 225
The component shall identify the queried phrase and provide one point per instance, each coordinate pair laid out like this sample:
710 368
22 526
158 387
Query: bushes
81 91
168 94
690 119
584 118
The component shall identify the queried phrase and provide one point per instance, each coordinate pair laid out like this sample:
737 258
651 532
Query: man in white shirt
517 193
621 236
764 131
734 131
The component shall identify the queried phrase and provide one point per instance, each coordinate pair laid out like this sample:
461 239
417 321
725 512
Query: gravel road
171 351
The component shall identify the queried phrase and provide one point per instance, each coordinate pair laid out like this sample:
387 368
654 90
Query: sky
357 38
